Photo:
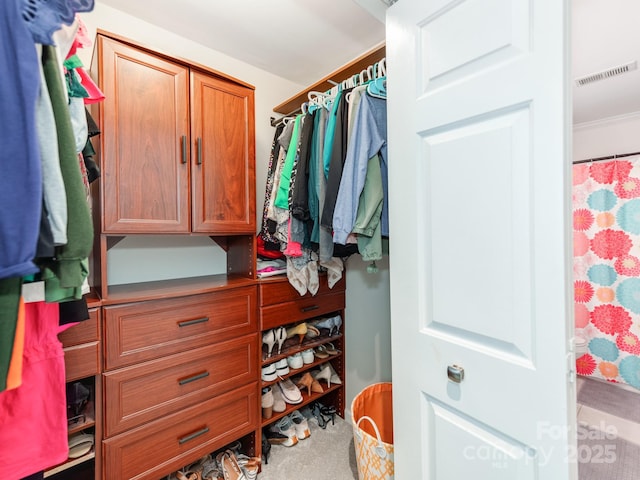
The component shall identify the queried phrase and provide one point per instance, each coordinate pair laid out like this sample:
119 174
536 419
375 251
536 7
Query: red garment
33 417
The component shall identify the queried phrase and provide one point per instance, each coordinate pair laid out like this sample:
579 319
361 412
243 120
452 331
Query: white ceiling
605 33
304 40
300 40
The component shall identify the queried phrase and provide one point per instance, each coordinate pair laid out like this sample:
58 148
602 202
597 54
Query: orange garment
14 375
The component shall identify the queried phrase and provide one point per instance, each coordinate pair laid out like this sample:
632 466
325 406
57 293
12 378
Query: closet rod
351 68
609 157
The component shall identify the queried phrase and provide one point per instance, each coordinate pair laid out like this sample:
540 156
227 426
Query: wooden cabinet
281 305
180 372
178 147
179 355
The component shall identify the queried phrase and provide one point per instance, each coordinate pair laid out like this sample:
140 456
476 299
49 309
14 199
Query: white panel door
480 276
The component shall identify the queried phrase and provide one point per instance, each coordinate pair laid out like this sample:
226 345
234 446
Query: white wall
608 136
367 316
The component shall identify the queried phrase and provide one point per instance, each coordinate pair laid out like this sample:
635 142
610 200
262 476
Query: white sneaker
282 368
269 373
308 356
301 425
295 360
285 426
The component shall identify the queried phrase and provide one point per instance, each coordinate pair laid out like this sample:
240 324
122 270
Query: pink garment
33 417
294 249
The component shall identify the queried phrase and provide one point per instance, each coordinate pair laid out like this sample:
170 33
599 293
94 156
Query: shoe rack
82 364
282 306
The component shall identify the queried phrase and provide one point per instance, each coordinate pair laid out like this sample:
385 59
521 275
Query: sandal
180 475
316 410
331 349
230 468
321 352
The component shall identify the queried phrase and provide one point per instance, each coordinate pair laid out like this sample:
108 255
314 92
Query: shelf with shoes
303 351
81 344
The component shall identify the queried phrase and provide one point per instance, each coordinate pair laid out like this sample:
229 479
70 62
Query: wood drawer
142 331
283 313
151 390
163 446
81 361
279 290
83 332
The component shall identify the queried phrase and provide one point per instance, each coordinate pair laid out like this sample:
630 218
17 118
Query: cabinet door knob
455 373
199 147
183 143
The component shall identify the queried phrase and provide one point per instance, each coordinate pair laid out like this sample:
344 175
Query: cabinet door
145 128
223 170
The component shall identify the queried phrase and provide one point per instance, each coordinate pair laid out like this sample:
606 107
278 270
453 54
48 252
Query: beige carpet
326 454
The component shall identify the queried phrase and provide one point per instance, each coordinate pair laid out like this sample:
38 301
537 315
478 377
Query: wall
135 258
608 136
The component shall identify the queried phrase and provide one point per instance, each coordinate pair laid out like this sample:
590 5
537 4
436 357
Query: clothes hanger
378 86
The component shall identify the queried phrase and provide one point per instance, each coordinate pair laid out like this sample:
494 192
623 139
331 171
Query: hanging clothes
21 179
369 140
33 422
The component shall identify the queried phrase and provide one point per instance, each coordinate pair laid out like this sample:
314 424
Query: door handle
199 148
183 143
455 373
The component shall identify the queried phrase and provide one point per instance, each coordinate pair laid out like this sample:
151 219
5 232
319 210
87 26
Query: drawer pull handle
309 308
186 323
193 435
193 378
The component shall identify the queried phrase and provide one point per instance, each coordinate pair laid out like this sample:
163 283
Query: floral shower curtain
606 243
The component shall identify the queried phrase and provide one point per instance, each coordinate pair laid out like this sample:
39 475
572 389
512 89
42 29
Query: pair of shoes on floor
321 413
232 469
289 430
206 468
272 337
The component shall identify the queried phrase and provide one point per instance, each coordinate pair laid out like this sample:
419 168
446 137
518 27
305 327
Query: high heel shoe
330 412
335 379
266 448
300 330
324 374
269 338
316 387
280 335
305 382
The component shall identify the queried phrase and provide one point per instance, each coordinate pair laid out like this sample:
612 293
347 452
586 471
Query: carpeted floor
326 454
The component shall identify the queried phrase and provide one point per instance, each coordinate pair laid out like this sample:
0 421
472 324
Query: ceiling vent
611 72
